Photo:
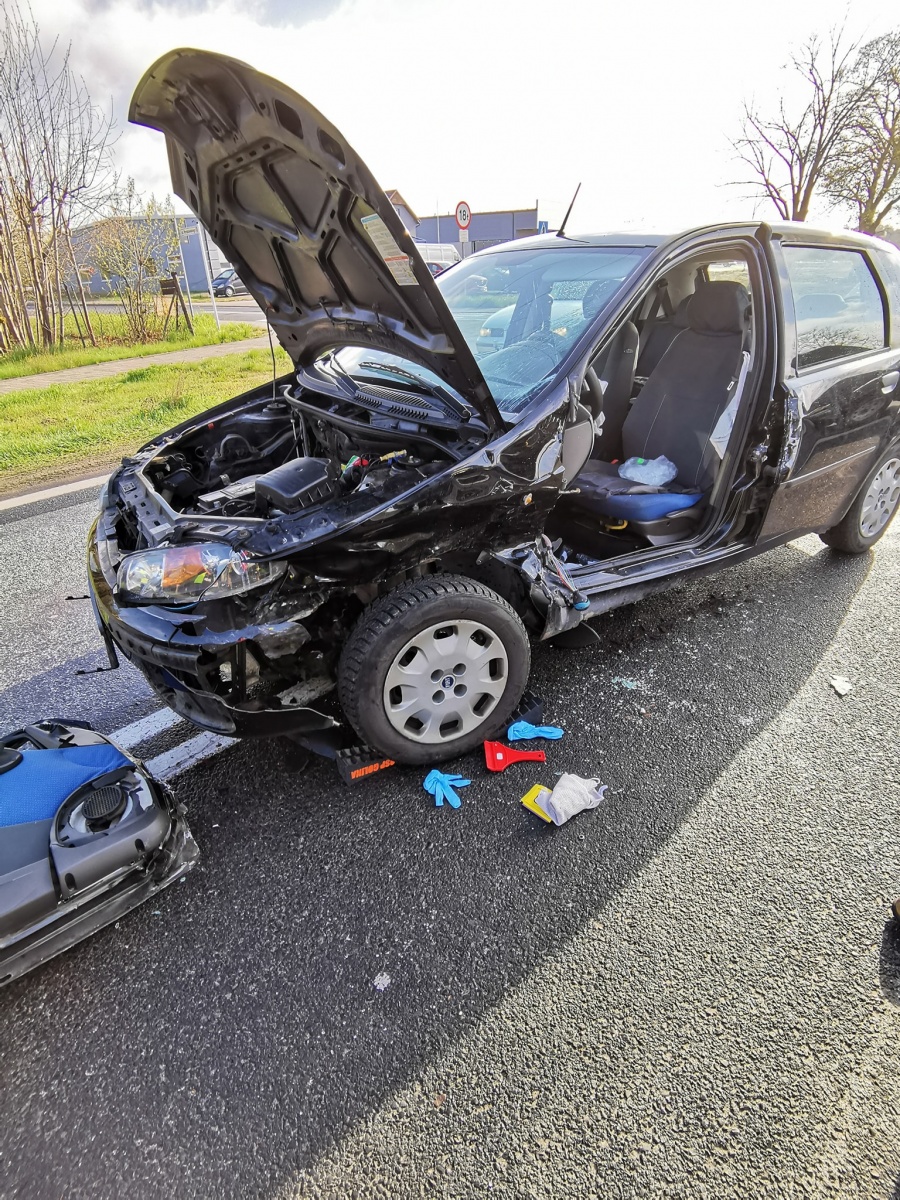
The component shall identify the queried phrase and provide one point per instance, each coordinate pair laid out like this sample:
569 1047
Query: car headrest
719 307
680 317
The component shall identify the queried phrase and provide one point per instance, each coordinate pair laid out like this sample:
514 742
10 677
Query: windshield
520 312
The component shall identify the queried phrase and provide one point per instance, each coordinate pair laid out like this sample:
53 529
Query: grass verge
109 328
71 430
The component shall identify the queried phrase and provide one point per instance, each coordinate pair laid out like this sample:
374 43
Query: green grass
109 328
69 430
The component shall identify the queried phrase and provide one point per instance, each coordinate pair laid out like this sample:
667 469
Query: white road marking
63 489
146 728
188 754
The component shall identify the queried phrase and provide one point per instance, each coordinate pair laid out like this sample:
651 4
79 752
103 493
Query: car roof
788 231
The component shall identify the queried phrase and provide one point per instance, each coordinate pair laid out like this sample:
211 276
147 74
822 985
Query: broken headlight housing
186 574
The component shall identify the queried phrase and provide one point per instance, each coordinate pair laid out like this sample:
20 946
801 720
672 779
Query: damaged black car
459 465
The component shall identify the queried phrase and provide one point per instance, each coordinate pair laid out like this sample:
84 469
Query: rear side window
889 270
837 303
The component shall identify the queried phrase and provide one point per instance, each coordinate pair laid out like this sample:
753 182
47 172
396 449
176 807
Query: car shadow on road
224 1037
889 961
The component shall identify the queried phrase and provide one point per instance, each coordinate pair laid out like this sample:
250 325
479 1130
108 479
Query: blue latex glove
441 787
519 731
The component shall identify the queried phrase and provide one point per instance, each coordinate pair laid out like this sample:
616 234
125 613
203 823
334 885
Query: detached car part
85 835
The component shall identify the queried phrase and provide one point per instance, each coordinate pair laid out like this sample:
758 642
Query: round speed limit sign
463 215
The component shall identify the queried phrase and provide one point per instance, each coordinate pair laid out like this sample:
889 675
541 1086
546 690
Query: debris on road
533 801
521 731
381 981
572 794
498 757
442 787
841 685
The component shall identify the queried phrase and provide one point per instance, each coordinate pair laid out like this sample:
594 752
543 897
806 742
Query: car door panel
837 415
844 416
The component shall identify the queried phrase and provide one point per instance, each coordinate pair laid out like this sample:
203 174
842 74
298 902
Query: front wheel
872 510
229 292
432 668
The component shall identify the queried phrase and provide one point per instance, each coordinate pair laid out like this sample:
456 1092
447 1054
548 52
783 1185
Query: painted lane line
63 489
146 728
188 754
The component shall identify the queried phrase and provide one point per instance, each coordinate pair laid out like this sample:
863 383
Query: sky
498 103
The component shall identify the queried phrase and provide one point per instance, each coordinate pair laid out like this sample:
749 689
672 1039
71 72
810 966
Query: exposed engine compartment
294 451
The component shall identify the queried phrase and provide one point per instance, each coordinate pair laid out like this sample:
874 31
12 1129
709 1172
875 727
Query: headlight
485 333
185 574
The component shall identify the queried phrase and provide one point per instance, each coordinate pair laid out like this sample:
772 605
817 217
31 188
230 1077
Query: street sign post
463 220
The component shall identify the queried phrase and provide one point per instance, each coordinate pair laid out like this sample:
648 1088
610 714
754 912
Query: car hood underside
302 219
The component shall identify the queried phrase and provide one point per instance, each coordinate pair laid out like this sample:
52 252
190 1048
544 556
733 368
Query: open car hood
301 218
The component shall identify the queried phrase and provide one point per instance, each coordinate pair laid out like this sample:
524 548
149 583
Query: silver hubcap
445 681
881 499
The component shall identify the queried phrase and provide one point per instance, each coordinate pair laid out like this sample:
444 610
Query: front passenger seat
676 412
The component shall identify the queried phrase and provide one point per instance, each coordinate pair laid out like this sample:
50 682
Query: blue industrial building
486 228
194 243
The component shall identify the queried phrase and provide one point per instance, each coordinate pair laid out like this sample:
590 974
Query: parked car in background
228 283
438 252
395 519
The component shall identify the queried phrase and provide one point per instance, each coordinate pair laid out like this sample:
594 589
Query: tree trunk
81 296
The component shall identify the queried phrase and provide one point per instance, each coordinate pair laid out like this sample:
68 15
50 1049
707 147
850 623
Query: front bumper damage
184 658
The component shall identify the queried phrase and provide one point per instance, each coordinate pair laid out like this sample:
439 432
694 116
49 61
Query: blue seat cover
35 788
604 491
637 506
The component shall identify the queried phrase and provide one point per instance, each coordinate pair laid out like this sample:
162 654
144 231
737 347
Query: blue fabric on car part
604 491
36 787
632 506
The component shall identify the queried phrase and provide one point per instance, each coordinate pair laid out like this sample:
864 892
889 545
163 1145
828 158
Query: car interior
667 383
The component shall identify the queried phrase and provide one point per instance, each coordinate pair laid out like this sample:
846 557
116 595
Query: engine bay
296 449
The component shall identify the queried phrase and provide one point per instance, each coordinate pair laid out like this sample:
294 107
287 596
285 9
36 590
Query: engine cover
298 484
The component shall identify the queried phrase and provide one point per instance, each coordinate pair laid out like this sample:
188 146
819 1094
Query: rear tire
872 511
434 667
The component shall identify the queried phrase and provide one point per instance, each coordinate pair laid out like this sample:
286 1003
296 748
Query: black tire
229 292
384 631
847 536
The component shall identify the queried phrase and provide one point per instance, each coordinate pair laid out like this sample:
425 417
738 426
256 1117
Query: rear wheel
432 668
872 510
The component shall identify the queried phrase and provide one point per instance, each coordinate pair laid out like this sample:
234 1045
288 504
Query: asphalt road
690 992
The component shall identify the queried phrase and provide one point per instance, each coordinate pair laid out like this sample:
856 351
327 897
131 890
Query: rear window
837 303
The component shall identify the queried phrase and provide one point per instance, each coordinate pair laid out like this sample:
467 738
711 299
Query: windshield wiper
436 390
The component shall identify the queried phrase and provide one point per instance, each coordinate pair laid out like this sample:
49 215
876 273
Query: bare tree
864 173
54 167
790 151
133 245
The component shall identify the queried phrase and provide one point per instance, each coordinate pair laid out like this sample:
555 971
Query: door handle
889 382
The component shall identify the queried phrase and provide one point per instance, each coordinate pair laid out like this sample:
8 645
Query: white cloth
721 435
572 794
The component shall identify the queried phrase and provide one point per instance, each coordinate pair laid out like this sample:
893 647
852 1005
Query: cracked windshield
520 312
